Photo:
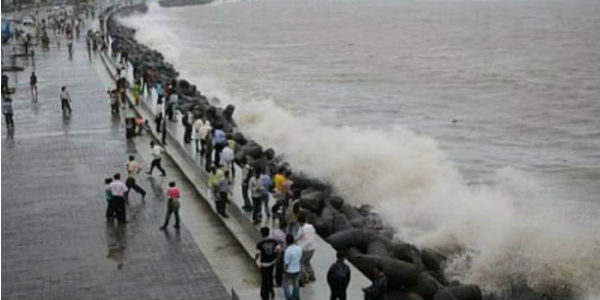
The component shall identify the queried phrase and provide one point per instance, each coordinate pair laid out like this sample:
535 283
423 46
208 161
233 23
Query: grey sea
465 122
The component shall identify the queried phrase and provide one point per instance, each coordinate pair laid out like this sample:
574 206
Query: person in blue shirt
291 260
219 142
160 92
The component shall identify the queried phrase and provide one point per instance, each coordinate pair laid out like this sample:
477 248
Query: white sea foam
507 231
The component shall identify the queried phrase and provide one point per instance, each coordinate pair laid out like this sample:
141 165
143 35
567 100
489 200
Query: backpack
338 274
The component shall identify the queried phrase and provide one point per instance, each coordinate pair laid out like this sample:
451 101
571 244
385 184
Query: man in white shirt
227 157
291 260
65 100
198 123
133 168
203 135
157 152
118 190
306 240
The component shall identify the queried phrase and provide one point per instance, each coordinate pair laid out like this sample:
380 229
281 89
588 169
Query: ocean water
468 124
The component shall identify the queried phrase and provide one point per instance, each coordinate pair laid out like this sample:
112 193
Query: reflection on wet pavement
116 242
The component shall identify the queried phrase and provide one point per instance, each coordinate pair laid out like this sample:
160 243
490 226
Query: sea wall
358 230
173 3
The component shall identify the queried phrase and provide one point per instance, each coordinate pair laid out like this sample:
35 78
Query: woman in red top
172 205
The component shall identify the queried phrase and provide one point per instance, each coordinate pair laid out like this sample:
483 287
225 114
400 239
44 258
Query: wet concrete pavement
56 243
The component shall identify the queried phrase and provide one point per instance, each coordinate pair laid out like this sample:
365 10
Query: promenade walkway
56 243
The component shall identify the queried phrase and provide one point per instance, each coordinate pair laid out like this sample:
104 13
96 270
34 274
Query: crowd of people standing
283 255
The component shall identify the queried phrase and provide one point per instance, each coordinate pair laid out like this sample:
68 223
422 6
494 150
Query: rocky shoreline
412 273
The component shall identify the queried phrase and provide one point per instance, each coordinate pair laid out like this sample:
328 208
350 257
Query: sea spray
499 234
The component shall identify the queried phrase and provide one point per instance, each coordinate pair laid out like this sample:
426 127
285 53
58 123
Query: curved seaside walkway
56 243
239 224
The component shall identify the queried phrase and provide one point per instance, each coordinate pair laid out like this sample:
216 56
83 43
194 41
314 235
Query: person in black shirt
378 287
266 258
33 85
187 125
338 278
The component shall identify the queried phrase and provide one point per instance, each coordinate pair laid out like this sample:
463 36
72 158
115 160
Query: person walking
7 111
266 258
65 100
173 204
157 152
33 86
291 259
223 187
110 205
306 241
133 168
378 287
338 278
118 190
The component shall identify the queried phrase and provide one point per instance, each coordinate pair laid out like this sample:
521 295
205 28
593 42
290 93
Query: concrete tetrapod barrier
426 287
400 274
357 238
461 292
